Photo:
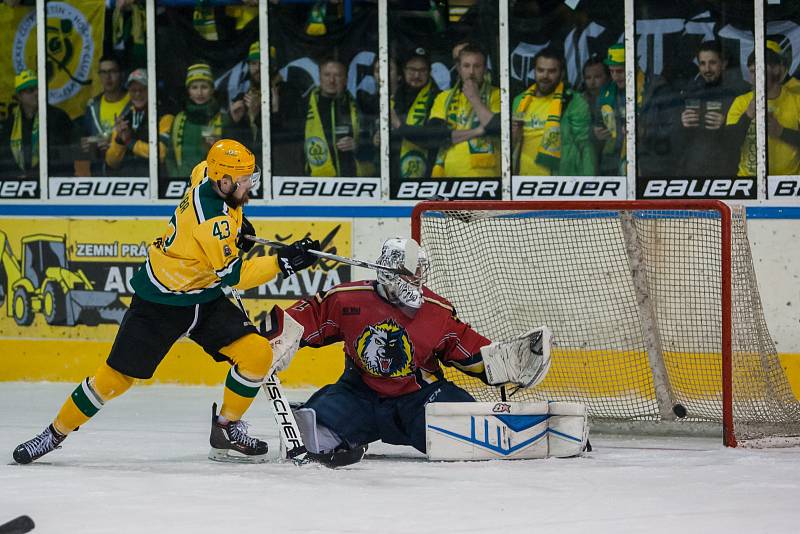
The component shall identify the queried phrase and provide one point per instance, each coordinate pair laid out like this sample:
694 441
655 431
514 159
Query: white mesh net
634 300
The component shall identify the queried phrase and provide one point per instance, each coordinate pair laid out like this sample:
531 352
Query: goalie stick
325 255
288 431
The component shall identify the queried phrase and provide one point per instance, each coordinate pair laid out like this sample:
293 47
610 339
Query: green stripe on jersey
145 289
211 204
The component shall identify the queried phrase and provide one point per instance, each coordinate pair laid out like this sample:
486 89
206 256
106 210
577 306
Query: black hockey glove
295 257
247 229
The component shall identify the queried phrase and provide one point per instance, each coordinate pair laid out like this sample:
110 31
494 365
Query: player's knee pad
316 437
323 444
109 383
251 354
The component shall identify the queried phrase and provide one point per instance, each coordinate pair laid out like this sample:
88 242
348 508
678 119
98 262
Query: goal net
654 307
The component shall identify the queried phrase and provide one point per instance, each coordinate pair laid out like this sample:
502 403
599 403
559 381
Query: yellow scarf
318 153
414 158
204 22
17 141
549 152
138 24
481 149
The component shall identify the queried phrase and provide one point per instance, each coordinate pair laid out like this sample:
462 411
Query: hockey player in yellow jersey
178 292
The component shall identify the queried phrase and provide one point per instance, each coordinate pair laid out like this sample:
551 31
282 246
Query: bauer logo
325 189
783 187
568 187
458 189
100 188
10 188
739 188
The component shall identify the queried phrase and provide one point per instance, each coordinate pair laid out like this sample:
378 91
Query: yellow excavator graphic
42 282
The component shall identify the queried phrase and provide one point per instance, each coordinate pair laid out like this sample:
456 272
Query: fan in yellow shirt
178 292
466 118
783 120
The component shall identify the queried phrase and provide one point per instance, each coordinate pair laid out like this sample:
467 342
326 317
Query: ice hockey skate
36 447
230 442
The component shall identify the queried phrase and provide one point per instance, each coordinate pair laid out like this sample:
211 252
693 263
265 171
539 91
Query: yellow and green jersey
784 159
197 254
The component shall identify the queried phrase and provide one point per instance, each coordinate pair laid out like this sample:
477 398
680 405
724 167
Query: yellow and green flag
74 44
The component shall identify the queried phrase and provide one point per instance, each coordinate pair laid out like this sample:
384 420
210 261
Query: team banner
74 44
14 52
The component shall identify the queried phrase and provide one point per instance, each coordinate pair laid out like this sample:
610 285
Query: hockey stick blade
20 525
325 255
288 430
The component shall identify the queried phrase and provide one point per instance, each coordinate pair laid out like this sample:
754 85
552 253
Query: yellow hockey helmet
231 158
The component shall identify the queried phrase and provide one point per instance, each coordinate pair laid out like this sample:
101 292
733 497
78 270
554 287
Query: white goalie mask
408 256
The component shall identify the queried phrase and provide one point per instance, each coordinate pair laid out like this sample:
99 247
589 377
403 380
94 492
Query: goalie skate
230 442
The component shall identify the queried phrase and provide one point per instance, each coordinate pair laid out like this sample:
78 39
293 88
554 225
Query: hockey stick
288 431
341 259
20 525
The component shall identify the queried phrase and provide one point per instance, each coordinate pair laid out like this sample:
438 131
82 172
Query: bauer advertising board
66 286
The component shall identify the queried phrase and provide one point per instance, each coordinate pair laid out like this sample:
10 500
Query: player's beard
234 202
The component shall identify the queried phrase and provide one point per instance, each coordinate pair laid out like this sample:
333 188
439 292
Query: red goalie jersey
394 353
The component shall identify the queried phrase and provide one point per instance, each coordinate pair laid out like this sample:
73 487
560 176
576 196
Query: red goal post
654 306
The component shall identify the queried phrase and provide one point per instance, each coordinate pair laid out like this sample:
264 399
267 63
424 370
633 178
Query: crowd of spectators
703 127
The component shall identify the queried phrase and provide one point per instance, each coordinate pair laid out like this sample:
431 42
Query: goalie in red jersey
397 334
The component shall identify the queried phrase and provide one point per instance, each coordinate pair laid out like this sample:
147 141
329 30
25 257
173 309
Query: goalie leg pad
568 429
505 430
317 438
322 444
486 431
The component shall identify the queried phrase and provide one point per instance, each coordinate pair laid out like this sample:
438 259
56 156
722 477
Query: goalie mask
408 256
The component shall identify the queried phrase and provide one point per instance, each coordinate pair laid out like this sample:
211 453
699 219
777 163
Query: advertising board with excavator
65 284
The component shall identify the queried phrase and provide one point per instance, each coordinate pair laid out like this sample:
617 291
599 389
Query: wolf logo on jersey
385 350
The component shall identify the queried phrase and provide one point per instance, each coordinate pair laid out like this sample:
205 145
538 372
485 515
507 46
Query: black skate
35 448
230 442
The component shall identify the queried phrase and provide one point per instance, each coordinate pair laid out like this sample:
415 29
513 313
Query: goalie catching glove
523 361
296 257
284 335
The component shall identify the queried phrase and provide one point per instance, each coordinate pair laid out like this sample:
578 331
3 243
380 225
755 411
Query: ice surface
140 467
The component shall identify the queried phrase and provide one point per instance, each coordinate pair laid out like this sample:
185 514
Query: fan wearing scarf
195 129
128 153
19 154
332 125
410 107
611 131
467 118
550 128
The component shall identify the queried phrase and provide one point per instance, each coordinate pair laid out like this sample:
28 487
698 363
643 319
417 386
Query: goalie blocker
505 430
